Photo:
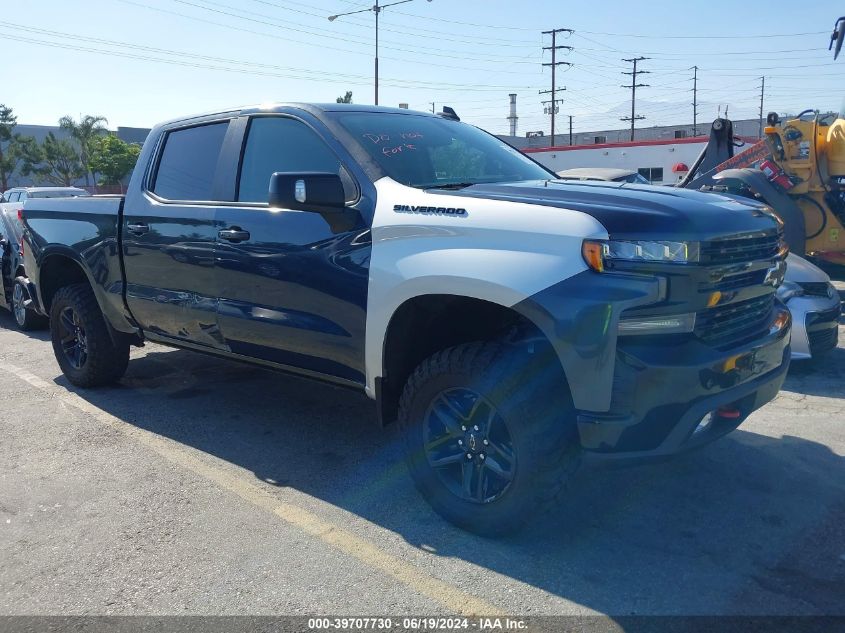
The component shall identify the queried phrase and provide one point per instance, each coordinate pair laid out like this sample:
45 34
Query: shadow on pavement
8 323
751 524
823 376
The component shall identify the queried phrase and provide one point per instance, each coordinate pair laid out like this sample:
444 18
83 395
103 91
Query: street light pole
376 8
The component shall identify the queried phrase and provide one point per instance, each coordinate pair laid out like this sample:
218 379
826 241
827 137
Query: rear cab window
188 162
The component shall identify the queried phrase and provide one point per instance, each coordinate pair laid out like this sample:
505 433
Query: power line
705 37
246 67
634 85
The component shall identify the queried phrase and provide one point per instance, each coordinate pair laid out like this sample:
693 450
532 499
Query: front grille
815 288
735 282
723 326
822 341
740 248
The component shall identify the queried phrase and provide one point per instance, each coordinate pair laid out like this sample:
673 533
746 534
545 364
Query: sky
138 62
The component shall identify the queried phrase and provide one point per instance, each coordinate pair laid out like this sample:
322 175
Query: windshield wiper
451 185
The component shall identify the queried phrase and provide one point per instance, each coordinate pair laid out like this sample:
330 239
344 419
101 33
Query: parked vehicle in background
506 319
603 173
21 194
16 287
815 306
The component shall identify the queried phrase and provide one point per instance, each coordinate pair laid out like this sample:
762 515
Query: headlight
789 289
598 252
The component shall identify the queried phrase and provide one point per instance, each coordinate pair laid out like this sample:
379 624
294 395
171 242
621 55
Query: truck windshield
429 152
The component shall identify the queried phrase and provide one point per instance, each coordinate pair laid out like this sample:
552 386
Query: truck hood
634 211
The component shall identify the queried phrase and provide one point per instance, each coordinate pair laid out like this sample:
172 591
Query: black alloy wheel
469 446
73 338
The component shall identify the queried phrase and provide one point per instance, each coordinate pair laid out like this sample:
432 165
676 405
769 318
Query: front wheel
490 434
82 344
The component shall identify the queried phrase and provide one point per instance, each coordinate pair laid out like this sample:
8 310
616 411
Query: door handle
234 234
138 229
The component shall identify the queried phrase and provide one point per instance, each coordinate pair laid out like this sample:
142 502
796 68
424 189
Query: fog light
669 324
705 424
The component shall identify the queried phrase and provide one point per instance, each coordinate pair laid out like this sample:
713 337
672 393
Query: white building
662 154
661 162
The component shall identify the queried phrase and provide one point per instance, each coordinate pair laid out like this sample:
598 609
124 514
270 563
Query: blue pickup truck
508 321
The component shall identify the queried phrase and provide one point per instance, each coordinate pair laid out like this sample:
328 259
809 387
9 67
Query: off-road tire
531 396
105 361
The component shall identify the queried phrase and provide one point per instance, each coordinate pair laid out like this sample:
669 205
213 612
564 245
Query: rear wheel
490 434
25 318
83 347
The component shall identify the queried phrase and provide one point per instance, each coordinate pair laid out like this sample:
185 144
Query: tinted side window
187 164
280 144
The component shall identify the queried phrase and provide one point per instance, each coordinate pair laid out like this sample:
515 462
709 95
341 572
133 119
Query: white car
815 306
608 174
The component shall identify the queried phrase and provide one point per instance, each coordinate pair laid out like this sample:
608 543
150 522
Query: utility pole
432 107
762 94
634 85
570 130
554 48
695 101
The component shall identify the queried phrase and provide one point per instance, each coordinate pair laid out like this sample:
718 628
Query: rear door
293 288
169 236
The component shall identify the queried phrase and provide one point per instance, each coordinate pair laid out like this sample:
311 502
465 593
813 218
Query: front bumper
663 389
815 327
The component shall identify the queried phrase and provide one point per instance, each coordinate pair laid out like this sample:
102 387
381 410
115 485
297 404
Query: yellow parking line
455 600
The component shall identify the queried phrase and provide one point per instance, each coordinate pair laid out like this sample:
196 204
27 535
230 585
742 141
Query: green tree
112 158
55 161
84 132
7 159
347 98
27 154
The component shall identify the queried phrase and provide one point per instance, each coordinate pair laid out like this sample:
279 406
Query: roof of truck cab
314 108
330 107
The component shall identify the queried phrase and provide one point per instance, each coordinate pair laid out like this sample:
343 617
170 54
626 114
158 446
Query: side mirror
320 192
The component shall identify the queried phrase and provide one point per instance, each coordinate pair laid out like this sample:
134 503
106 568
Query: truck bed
85 221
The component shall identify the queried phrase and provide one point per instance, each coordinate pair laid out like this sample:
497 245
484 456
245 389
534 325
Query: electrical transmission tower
634 85
554 64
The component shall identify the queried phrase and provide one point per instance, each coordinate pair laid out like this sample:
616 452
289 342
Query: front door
293 289
169 237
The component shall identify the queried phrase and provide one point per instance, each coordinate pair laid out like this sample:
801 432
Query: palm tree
84 132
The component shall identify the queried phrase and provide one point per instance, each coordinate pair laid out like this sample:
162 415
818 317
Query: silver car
815 306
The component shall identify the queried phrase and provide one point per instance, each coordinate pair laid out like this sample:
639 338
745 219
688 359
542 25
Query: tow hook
722 413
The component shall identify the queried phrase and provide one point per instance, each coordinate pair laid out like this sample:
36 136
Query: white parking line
455 600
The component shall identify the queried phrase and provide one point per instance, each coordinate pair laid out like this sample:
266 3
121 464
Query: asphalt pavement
201 486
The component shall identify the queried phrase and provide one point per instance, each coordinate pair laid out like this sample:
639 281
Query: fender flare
109 313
